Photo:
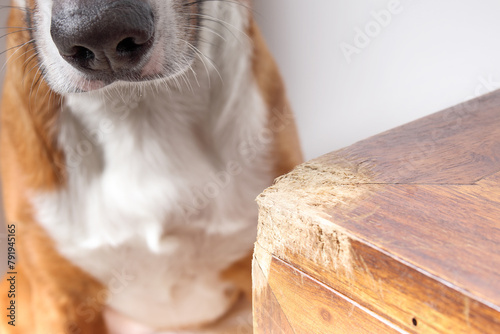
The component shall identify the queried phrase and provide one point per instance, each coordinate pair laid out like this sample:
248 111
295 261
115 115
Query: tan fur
53 296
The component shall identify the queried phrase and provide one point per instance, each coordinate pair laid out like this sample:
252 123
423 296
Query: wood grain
268 317
311 307
406 223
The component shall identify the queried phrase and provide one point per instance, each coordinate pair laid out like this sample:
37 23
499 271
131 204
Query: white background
433 54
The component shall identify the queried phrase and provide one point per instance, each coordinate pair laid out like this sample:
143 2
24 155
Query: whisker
28 60
199 28
33 83
39 82
19 47
197 53
48 92
51 94
25 28
13 32
223 23
186 78
193 71
221 1
31 69
15 7
195 49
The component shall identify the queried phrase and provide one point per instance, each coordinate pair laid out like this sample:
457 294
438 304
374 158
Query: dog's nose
102 36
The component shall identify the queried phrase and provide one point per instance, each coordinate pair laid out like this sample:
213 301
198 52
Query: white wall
432 55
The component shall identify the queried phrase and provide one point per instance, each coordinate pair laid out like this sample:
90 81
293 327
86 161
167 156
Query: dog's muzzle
104 39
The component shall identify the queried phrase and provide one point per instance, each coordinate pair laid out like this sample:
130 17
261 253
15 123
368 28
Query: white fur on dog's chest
160 194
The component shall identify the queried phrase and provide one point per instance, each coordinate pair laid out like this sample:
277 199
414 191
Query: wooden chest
399 233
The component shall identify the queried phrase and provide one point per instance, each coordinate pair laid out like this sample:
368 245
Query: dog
136 135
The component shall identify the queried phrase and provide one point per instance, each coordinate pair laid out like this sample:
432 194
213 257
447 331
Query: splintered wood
292 214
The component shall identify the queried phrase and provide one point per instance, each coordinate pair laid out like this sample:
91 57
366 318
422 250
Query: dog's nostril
82 53
127 45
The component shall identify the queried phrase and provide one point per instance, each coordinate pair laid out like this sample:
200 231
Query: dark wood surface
406 223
